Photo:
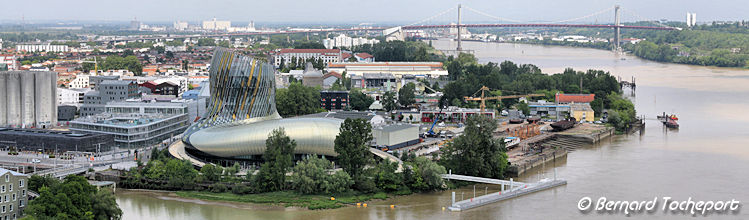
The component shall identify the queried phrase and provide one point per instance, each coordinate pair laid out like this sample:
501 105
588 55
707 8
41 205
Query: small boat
516 121
670 123
563 125
533 120
664 117
511 142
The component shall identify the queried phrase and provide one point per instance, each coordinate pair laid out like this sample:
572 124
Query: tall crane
483 98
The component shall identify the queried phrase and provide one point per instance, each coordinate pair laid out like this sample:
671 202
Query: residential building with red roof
9 60
364 57
330 78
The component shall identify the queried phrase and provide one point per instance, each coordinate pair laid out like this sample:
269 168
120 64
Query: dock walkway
501 196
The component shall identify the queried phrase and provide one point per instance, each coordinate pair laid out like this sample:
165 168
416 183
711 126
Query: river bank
599 46
288 198
708 150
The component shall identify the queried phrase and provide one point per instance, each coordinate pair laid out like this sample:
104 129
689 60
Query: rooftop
394 127
580 107
374 76
14 173
364 55
309 50
44 132
580 98
123 119
116 82
411 64
342 115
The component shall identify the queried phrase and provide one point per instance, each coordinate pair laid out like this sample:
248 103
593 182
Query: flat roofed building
398 69
108 91
334 100
216 25
548 109
396 136
452 114
327 55
384 81
51 140
136 124
42 47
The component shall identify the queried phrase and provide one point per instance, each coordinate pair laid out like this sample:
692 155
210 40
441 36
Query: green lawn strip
287 198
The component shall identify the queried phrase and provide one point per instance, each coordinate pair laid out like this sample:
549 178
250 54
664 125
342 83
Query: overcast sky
355 11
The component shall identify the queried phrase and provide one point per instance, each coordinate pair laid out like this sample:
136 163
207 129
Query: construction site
530 141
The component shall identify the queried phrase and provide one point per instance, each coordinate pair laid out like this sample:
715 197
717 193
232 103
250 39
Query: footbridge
515 189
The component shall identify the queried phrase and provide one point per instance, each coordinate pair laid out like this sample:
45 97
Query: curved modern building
242 113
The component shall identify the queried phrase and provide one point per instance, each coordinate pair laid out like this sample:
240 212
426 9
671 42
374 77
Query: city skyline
337 11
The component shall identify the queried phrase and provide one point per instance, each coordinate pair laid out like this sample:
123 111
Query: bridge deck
481 179
501 196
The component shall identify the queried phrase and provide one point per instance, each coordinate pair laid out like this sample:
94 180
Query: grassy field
287 198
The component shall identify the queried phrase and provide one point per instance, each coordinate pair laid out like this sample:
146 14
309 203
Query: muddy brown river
706 159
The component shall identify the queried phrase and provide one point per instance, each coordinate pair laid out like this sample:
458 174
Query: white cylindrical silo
27 99
3 99
53 97
13 82
42 95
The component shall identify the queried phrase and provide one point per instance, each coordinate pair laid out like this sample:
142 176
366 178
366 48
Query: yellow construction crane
96 65
483 98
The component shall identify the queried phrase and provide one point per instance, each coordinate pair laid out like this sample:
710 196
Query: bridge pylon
617 27
459 47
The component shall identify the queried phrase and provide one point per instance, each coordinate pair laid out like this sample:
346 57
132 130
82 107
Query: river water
706 159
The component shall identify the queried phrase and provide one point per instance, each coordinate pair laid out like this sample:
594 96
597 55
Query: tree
159 50
224 43
352 146
476 152
298 99
186 65
180 174
74 198
211 172
359 101
386 178
279 152
127 52
206 42
429 172
311 176
522 106
233 170
388 101
406 95
105 205
36 182
155 170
